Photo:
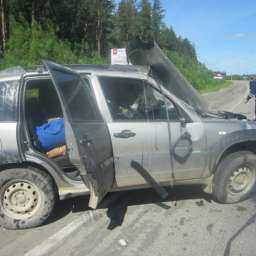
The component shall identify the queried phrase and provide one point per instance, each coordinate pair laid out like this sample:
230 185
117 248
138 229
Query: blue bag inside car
51 134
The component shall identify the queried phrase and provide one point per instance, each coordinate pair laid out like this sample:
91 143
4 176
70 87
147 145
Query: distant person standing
252 95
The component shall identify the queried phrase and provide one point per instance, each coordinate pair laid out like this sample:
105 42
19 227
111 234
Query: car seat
35 116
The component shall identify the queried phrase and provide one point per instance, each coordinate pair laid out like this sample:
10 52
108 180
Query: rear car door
87 137
9 150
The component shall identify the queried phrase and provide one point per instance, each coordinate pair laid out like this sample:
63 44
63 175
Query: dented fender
217 150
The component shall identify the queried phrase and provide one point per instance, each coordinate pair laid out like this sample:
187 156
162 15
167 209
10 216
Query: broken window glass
125 98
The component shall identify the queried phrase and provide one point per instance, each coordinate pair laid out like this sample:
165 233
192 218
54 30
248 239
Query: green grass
218 86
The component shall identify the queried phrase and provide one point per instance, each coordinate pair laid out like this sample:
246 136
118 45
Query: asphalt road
232 99
140 223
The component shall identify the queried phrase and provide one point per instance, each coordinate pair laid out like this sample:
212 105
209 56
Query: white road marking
45 247
56 239
234 107
240 102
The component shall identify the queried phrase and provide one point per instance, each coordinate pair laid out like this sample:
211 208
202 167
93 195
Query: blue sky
223 32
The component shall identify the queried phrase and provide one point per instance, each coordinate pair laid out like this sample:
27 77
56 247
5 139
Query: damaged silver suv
125 127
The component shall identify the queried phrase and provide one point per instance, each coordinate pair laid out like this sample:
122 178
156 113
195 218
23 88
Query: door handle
125 134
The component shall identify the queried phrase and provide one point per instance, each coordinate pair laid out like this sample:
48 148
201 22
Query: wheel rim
20 199
242 180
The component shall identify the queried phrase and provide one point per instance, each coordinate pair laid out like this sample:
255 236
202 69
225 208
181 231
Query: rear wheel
27 198
235 177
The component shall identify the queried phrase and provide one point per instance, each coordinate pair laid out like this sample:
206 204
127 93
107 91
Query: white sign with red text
119 56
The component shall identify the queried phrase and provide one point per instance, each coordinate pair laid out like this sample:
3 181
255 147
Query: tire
27 197
233 173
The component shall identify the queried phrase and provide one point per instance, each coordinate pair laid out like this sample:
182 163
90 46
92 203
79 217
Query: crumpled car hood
164 70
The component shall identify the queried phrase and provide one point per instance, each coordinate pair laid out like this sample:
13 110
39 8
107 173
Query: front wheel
27 197
235 177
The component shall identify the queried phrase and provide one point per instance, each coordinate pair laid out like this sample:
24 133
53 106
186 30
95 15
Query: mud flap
161 191
94 195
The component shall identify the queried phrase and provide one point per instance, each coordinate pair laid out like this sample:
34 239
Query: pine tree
101 11
168 39
126 22
144 32
3 24
157 18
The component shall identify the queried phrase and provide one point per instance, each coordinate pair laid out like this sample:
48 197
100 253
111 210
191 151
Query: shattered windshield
171 78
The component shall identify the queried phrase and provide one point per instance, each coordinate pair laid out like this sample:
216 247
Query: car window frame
158 89
107 105
84 76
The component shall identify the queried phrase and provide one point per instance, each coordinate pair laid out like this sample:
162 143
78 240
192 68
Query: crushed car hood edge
171 78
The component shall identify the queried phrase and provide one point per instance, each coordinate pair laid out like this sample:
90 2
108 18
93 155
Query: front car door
189 150
188 141
87 136
139 131
188 145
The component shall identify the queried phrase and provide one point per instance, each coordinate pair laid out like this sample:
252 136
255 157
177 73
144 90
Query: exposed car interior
127 99
42 105
134 100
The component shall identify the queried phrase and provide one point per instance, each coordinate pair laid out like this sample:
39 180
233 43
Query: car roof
109 68
113 70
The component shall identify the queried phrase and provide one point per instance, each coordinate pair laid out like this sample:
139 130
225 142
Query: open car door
87 136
